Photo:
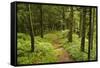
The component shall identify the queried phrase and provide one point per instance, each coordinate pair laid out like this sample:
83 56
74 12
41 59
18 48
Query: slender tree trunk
83 30
63 15
70 25
90 34
41 21
31 29
80 25
92 27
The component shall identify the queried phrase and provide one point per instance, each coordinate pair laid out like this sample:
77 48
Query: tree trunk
92 27
70 25
31 30
90 34
80 25
41 21
63 15
83 29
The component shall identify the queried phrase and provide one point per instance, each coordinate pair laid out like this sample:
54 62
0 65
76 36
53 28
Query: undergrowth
44 51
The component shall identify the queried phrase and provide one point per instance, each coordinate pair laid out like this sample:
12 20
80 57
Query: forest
48 33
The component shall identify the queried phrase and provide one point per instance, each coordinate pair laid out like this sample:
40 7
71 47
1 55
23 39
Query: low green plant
43 51
74 49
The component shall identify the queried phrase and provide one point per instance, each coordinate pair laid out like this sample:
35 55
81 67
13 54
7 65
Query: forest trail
62 54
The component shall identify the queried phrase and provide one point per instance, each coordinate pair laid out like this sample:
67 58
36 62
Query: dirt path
62 54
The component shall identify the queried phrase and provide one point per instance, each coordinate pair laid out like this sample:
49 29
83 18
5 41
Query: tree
92 26
83 29
31 28
90 33
41 22
63 17
70 25
80 24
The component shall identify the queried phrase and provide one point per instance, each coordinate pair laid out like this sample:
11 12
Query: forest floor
63 55
54 47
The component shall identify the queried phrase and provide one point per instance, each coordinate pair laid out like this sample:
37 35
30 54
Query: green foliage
60 23
42 54
74 49
44 51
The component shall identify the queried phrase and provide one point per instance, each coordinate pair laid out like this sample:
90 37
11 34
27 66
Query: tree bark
80 25
90 34
31 29
92 27
41 21
83 29
70 25
63 15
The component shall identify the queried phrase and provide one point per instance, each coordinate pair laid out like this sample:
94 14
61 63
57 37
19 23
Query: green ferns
43 51
74 49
